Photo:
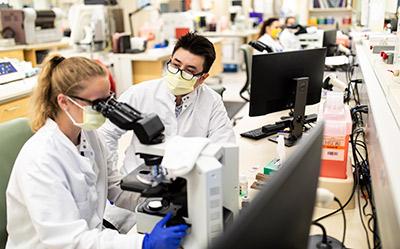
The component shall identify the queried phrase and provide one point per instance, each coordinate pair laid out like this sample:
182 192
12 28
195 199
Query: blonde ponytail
59 75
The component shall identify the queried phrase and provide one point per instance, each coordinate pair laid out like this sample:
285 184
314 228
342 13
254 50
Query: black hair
198 45
267 23
287 19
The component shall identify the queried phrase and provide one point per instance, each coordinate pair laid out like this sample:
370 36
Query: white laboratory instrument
10 71
88 25
206 196
42 25
312 39
29 26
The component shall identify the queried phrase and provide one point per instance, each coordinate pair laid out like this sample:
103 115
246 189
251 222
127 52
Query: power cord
362 177
344 220
362 174
324 235
324 198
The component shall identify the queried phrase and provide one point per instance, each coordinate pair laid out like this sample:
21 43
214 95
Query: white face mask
92 119
178 85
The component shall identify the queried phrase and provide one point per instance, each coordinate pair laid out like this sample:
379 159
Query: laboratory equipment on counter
89 26
28 26
10 71
206 197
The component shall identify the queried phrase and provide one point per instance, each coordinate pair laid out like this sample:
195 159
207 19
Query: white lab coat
57 193
274 44
289 40
203 114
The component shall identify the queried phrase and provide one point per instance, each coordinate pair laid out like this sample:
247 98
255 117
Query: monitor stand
316 242
296 125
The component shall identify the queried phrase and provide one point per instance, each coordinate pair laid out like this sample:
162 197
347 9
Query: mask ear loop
76 103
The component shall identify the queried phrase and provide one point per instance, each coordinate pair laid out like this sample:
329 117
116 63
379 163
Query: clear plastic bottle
243 186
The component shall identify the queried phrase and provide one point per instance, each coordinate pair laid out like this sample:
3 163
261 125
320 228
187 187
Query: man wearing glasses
186 106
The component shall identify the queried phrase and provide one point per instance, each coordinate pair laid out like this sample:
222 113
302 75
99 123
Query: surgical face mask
91 118
179 86
275 33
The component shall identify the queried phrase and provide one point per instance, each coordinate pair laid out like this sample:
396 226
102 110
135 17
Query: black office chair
248 55
217 88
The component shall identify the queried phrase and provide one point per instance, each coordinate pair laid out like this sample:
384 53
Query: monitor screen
281 213
329 42
273 87
6 68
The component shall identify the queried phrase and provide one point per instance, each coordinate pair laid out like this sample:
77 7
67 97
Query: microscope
205 195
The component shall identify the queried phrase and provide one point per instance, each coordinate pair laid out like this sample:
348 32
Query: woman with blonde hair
62 177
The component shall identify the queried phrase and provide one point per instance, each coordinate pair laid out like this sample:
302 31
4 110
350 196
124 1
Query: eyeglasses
92 102
184 74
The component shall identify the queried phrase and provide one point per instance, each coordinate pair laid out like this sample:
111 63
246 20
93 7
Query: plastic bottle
243 186
280 149
337 131
245 201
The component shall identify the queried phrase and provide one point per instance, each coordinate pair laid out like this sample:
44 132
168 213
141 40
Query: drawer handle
11 109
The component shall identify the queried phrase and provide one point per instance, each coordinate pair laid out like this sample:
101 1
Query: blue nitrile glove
162 237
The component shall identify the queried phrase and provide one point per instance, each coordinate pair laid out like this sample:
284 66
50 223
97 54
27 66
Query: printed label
333 148
331 154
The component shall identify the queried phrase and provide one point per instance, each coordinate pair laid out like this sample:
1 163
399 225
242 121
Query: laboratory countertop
388 83
63 43
381 92
151 54
154 54
230 33
254 154
11 48
17 89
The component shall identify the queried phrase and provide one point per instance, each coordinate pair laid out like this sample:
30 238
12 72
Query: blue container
230 68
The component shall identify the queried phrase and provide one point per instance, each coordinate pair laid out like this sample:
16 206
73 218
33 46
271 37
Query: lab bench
15 98
35 53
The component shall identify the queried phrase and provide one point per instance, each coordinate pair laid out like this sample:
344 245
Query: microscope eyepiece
148 128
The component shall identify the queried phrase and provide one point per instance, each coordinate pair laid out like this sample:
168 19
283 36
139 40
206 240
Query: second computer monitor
273 86
280 215
329 42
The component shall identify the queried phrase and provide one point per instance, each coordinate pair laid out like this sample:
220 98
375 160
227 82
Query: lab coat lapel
88 165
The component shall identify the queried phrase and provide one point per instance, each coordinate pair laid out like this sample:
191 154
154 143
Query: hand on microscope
162 237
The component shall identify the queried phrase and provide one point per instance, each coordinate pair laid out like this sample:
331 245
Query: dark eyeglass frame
180 70
92 102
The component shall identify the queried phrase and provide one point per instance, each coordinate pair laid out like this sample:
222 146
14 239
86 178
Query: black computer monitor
329 42
281 213
287 80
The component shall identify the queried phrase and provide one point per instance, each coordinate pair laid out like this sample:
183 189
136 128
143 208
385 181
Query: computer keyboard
271 129
257 134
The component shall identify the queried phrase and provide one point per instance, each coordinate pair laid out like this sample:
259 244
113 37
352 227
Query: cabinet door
15 54
14 109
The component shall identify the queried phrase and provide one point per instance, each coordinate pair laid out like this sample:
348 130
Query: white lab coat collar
274 44
51 126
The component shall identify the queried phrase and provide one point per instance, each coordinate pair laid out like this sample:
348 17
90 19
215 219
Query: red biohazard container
337 130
